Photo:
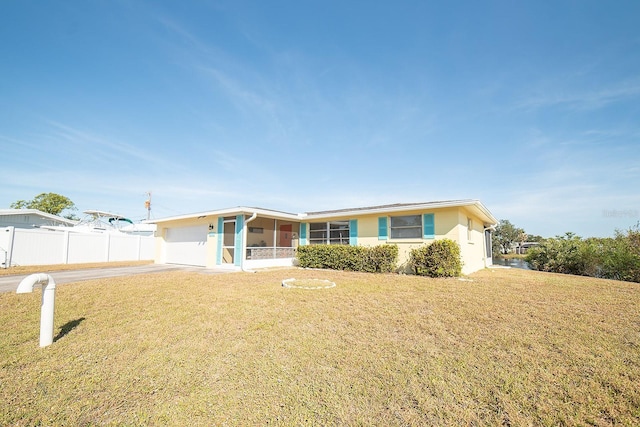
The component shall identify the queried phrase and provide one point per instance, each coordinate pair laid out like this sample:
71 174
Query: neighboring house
247 238
522 248
30 218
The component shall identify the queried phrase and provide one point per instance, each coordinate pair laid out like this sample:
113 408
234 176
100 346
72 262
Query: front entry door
285 236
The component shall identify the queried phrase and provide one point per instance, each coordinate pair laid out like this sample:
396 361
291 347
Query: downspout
245 230
46 307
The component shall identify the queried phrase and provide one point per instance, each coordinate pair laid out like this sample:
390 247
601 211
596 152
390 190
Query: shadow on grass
68 327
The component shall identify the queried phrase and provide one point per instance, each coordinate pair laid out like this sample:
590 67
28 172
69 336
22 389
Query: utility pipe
245 231
46 307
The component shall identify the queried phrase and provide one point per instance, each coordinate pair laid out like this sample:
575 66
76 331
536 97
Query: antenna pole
147 204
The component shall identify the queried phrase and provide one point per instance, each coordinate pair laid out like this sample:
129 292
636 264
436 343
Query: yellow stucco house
249 238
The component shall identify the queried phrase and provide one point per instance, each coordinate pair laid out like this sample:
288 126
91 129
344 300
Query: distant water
513 262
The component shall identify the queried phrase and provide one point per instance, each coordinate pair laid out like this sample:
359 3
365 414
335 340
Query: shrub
563 254
610 258
439 259
620 257
381 258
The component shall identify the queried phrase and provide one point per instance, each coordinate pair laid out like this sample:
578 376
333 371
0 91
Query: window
406 227
469 228
332 233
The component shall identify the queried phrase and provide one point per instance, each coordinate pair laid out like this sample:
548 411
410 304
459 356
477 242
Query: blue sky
533 107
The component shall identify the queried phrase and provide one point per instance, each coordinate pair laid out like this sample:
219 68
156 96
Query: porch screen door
229 240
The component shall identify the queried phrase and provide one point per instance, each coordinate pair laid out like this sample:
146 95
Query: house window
331 233
406 227
469 228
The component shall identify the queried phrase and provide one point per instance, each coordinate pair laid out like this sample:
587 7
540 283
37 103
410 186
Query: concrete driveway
10 283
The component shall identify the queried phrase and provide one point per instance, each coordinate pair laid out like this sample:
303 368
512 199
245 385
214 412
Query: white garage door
187 245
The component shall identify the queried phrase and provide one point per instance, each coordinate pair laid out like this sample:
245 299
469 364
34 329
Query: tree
506 234
51 203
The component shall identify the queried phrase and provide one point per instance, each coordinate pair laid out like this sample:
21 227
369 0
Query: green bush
567 254
439 259
619 258
609 258
378 259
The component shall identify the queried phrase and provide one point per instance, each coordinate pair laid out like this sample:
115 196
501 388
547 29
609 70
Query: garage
187 245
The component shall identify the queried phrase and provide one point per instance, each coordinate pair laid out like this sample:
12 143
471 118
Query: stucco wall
450 223
471 242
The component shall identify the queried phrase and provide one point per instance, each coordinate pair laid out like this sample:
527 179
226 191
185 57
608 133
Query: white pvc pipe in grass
48 302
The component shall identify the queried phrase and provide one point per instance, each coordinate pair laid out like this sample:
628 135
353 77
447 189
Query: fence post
9 257
107 245
65 248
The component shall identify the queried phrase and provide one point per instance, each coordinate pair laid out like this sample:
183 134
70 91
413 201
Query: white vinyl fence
19 246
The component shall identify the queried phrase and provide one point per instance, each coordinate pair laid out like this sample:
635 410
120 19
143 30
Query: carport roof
239 210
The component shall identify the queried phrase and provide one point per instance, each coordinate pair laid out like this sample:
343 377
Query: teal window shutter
238 250
303 234
429 226
353 232
382 228
220 231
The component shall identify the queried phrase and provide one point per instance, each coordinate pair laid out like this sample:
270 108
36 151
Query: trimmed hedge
439 259
377 259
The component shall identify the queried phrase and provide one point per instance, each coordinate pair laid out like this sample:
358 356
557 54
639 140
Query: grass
511 256
510 347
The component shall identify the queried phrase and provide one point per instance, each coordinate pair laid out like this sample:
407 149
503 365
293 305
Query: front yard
509 347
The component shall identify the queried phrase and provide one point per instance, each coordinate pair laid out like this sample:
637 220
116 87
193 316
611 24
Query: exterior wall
161 235
450 223
267 238
471 242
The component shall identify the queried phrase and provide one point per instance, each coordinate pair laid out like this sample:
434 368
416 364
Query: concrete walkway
10 283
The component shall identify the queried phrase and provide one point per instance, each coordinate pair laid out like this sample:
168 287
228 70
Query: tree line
615 257
608 258
52 203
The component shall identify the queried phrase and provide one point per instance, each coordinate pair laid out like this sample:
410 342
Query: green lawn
510 347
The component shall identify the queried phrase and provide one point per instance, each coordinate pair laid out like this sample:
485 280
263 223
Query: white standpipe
48 301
